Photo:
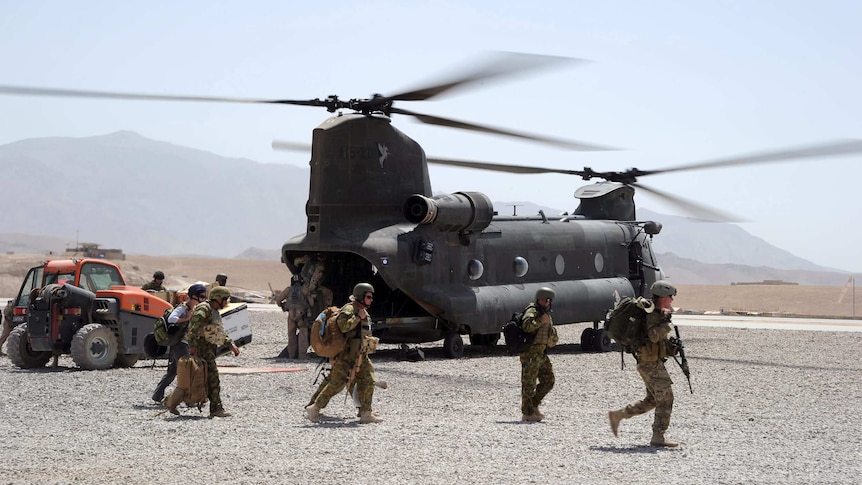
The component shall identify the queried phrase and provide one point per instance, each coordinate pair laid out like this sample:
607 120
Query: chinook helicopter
449 265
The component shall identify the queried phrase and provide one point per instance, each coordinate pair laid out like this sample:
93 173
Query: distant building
92 250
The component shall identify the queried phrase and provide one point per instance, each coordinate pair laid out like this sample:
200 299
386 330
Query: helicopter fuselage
449 264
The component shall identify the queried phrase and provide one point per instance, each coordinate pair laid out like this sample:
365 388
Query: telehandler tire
20 352
94 347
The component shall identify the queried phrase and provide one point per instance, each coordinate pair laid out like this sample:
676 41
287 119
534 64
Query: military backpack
626 322
191 385
326 338
517 340
160 328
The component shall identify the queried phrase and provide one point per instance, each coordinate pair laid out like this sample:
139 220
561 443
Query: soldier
220 280
156 284
537 374
650 358
181 315
293 301
205 334
6 318
353 320
311 269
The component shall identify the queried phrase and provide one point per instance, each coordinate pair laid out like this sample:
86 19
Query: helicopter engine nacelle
461 211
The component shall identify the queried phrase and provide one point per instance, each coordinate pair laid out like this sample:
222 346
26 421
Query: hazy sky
671 82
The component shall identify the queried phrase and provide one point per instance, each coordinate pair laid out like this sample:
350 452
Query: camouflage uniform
651 357
355 328
312 272
205 314
535 364
294 302
153 286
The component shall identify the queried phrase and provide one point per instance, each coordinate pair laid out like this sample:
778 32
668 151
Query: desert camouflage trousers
297 332
208 354
659 395
337 379
537 378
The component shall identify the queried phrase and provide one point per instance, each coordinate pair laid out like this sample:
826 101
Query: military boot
538 414
367 417
658 440
312 412
219 413
614 417
531 418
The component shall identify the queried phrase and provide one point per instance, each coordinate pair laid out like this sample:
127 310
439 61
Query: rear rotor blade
503 64
500 167
697 210
74 93
827 149
558 142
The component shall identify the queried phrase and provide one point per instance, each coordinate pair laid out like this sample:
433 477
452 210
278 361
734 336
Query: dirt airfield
769 406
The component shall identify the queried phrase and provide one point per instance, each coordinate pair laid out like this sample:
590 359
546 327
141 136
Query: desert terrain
253 278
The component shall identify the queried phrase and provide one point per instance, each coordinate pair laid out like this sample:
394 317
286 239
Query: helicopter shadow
471 352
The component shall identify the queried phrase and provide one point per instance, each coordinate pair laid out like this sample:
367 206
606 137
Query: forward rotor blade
499 167
74 93
502 64
463 125
827 149
697 210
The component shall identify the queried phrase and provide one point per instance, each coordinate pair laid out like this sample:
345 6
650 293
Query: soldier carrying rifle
651 357
352 362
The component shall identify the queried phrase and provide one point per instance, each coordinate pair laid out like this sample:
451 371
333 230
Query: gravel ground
769 406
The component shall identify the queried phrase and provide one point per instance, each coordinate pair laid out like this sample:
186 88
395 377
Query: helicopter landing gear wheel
601 340
453 345
587 337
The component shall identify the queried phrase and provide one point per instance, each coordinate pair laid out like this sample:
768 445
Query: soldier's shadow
333 422
520 422
626 450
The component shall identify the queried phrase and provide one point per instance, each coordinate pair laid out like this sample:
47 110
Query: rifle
367 346
352 377
272 293
682 362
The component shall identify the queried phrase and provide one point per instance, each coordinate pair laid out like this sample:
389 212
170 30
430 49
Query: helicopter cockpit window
520 266
475 269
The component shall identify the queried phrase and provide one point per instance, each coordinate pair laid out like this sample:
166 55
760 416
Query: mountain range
125 191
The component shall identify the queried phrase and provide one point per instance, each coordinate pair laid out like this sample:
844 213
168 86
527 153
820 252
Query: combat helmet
219 292
197 289
545 292
662 288
221 278
158 275
361 289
